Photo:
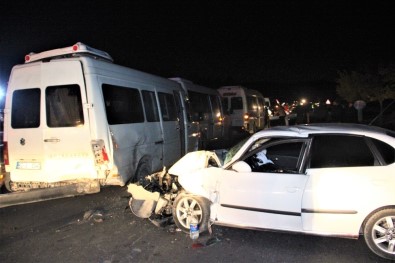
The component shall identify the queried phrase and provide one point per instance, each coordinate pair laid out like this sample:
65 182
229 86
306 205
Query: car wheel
142 171
379 233
186 206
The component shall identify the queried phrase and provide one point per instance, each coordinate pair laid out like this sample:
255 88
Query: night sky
286 49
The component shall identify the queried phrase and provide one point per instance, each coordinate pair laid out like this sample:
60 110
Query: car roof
306 130
309 129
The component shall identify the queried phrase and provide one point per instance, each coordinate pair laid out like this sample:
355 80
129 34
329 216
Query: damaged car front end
180 193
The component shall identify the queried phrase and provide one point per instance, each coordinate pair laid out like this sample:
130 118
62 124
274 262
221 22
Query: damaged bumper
156 198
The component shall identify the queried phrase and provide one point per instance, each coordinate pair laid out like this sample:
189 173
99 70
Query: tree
367 86
350 85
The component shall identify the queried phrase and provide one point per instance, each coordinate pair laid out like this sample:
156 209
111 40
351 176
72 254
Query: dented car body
332 180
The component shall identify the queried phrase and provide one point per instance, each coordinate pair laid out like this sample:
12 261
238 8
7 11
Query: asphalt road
101 228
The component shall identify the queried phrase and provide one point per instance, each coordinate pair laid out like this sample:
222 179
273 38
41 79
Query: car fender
203 182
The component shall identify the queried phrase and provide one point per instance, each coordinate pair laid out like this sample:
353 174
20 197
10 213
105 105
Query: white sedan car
332 180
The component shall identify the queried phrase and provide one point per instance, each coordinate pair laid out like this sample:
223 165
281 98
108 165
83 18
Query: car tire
185 206
379 233
142 171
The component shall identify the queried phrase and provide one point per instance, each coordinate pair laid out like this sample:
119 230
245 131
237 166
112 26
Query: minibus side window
25 107
261 104
150 106
215 102
167 106
123 105
200 107
225 104
64 106
251 103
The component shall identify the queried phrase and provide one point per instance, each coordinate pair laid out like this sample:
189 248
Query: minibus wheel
142 171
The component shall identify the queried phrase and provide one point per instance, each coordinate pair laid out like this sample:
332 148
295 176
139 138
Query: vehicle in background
205 108
245 108
2 169
72 116
328 180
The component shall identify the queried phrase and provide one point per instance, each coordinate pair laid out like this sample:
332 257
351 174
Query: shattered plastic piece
212 241
210 229
98 220
172 229
88 214
161 222
142 203
96 215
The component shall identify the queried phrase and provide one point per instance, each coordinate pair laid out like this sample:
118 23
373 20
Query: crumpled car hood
198 172
192 162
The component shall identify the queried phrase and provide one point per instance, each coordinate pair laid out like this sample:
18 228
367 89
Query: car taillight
5 153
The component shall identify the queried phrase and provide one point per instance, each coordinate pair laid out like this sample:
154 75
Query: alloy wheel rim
186 209
383 234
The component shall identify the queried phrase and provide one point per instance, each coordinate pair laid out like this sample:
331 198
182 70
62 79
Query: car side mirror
241 167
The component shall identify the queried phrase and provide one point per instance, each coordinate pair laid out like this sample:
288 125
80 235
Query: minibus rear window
64 106
236 103
25 109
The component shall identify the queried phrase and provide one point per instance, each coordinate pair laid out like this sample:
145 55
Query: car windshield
232 151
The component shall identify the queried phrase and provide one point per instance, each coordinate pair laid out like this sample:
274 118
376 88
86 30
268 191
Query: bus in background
245 108
205 108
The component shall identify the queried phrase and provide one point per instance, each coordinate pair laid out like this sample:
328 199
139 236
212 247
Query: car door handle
292 189
159 142
52 140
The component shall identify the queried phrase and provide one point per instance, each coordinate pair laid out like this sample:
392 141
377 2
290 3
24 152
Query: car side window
340 151
278 157
387 151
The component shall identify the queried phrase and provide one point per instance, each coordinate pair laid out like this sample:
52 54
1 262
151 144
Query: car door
345 182
269 199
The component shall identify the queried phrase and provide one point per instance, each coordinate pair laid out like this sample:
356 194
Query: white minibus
72 116
245 108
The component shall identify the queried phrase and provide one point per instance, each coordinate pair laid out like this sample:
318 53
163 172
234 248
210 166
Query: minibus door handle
52 140
159 142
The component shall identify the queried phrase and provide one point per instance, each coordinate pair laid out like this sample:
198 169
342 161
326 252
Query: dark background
285 49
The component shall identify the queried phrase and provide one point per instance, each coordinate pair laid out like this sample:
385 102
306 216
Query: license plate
28 165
